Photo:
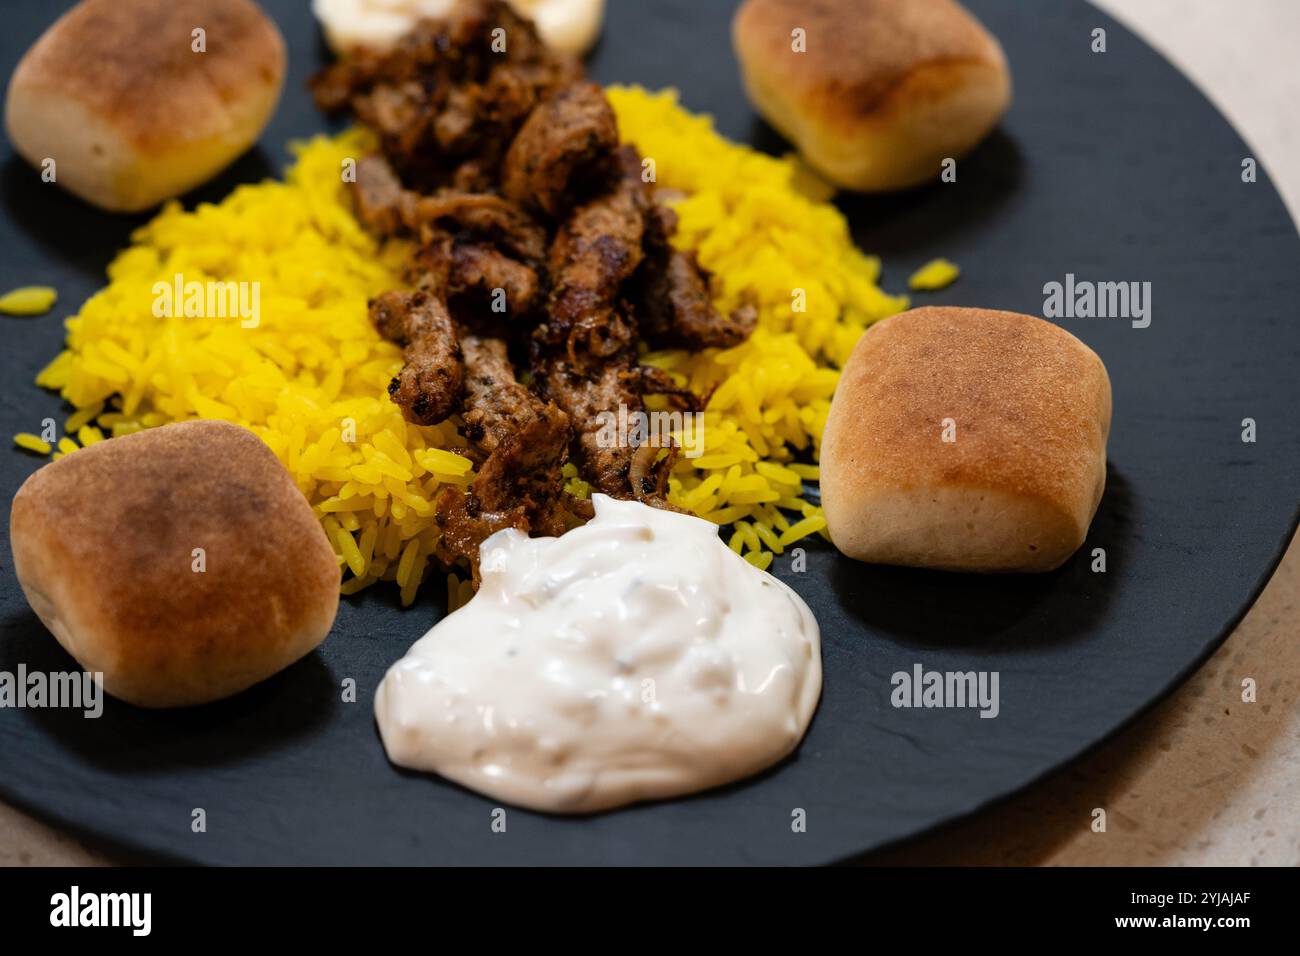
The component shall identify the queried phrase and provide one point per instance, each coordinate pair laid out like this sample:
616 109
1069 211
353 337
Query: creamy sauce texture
636 657
571 26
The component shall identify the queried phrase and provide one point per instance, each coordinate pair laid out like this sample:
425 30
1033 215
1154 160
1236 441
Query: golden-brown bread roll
104 544
116 95
885 90
1027 408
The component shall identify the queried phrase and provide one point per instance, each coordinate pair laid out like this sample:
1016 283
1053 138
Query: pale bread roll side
885 90
104 547
1030 410
115 94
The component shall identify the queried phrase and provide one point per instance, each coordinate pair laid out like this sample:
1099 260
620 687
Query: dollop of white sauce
570 26
634 658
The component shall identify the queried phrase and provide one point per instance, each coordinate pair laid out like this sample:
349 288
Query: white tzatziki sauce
633 658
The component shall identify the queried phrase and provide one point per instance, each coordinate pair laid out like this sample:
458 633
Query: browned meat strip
524 469
496 404
464 524
485 215
519 486
589 400
514 89
334 87
429 267
520 483
482 118
380 202
428 388
571 132
388 314
674 310
594 252
467 274
671 295
478 270
400 114
472 176
455 125
598 247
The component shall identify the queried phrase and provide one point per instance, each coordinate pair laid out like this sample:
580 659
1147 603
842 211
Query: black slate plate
1110 166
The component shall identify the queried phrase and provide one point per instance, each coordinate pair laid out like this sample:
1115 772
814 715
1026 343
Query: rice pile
311 378
763 227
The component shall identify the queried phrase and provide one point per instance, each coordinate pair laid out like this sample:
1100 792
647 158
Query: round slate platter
1109 166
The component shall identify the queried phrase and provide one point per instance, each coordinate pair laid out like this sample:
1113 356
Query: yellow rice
310 379
935 274
29 300
763 227
32 442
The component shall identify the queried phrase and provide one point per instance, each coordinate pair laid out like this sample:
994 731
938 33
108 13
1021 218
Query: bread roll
115 94
886 89
104 544
1027 409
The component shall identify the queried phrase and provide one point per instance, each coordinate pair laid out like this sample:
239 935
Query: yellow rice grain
745 531
32 442
406 565
765 533
28 300
935 274
801 529
777 474
347 546
724 515
82 417
413 583
366 546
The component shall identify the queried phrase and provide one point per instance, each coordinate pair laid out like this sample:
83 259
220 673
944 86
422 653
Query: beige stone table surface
1204 778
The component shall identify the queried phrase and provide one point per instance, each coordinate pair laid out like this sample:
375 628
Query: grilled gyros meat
524 444
609 461
670 293
487 216
594 253
497 405
573 132
380 202
504 169
482 272
428 388
449 90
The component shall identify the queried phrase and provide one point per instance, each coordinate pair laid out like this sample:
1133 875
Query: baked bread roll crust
115 94
1018 486
103 543
886 90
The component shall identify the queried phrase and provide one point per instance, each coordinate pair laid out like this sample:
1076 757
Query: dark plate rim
138 848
